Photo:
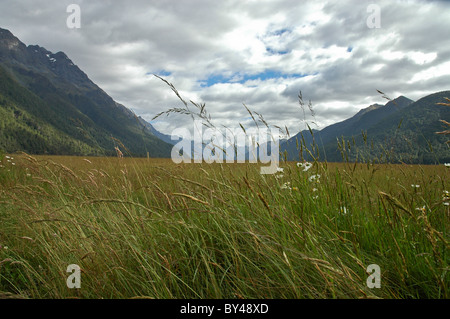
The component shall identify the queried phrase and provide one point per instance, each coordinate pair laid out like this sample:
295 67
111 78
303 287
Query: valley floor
147 227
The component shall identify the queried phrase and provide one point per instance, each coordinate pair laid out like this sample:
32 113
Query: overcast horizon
261 53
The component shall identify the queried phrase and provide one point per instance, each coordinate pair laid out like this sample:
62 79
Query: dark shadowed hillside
400 131
48 105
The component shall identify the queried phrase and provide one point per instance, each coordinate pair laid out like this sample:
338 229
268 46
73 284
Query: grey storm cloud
322 48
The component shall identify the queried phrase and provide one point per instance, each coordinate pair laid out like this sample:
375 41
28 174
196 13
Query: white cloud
120 43
432 72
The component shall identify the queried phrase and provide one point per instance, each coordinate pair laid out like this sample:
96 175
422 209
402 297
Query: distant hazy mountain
48 105
399 131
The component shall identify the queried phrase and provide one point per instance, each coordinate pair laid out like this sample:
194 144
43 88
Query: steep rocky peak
9 41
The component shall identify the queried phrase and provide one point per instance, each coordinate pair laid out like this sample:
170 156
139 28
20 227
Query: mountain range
402 130
49 106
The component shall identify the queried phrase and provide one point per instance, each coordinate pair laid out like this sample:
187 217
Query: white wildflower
286 185
415 186
446 198
447 164
306 166
313 177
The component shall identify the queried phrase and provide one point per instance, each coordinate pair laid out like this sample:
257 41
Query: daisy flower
306 166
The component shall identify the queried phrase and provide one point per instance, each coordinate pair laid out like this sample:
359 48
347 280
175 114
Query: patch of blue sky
161 73
242 78
280 32
275 52
214 79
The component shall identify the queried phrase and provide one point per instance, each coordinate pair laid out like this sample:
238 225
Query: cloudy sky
261 53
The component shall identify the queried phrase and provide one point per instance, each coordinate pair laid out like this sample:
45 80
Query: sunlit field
154 229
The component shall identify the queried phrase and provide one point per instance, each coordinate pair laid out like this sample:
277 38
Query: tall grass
152 229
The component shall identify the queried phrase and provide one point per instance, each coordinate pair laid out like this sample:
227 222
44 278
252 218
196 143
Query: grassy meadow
150 228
